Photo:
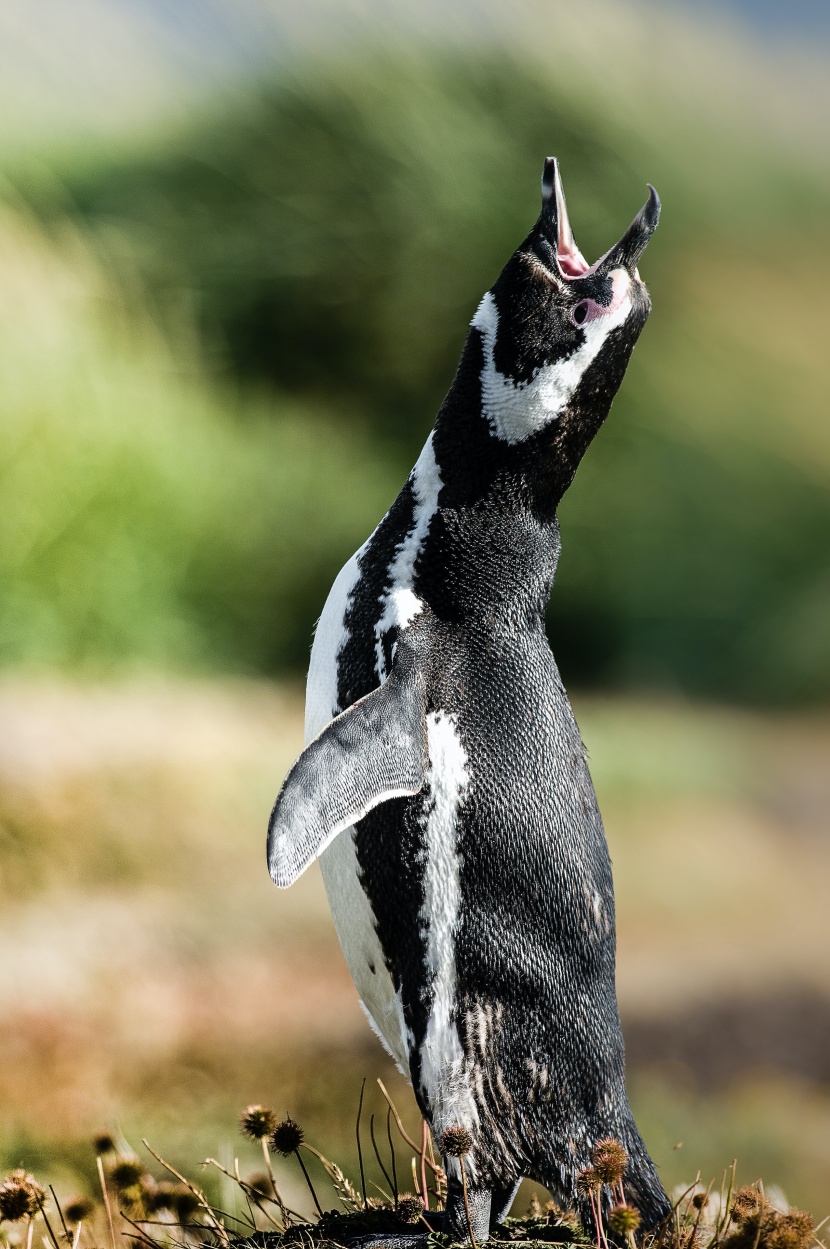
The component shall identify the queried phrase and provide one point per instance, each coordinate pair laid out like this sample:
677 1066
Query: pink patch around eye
589 310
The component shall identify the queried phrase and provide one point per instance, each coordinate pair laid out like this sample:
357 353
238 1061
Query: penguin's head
556 333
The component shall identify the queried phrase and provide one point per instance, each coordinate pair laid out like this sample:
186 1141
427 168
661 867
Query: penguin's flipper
373 751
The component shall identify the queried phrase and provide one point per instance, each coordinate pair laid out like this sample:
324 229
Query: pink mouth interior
572 264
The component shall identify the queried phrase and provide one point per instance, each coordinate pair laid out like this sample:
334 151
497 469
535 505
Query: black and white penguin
445 786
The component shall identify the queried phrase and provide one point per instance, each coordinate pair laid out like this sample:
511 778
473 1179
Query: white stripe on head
517 410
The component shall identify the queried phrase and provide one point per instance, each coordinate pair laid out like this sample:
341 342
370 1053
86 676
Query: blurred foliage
328 239
141 519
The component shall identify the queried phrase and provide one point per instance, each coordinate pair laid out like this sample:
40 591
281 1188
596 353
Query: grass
157 1205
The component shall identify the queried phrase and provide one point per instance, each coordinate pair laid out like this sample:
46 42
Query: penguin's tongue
571 261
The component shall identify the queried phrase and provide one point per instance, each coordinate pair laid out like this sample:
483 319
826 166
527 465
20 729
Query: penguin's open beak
627 252
570 262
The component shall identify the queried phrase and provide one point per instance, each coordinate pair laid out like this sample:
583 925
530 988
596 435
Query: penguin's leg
465 1217
501 1202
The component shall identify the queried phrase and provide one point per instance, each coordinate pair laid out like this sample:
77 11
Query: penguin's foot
391 1240
467 1217
461 1220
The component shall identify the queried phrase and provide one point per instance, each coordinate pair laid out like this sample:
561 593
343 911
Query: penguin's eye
579 312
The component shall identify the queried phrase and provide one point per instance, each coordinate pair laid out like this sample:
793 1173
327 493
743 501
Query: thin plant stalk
596 1210
700 1209
30 1231
246 1188
247 1195
722 1222
436 1169
729 1192
392 1153
386 1175
424 1188
52 1236
269 1166
106 1197
357 1137
438 1177
418 1192
197 1193
342 1186
760 1221
251 1219
594 1215
60 1213
76 1240
310 1185
144 1238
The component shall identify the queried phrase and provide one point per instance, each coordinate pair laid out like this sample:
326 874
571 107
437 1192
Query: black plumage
482 938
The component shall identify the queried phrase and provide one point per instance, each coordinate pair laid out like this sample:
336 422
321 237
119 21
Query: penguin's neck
485 507
488 551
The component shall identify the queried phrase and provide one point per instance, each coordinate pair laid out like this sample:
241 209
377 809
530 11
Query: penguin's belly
356 928
354 919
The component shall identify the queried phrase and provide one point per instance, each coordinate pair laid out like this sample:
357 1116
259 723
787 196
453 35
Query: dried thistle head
20 1196
623 1220
78 1209
409 1208
793 1230
610 1160
133 1200
259 1187
126 1172
699 1200
257 1121
161 1195
103 1143
587 1182
287 1137
747 1202
185 1204
456 1141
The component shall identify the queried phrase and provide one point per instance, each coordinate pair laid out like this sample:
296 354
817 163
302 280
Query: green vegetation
146 519
220 359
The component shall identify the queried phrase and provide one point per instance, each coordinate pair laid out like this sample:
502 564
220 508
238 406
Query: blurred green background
239 249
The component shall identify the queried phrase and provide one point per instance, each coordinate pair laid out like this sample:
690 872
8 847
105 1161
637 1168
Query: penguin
444 786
